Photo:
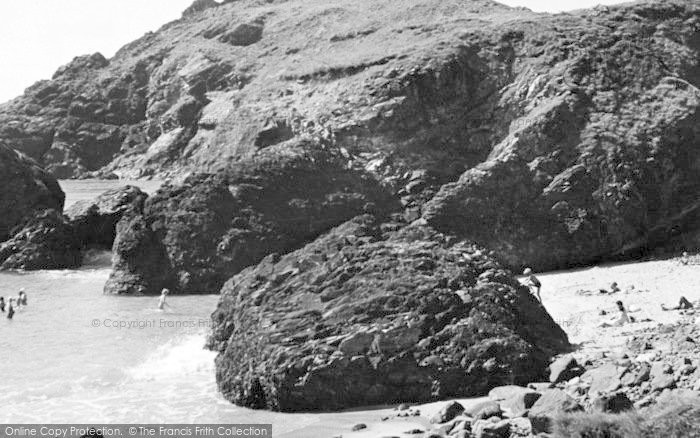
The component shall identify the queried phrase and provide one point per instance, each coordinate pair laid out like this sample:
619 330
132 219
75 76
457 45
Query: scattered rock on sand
613 403
447 413
564 368
490 429
552 403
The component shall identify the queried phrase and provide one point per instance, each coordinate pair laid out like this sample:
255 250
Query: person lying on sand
621 319
683 304
613 289
533 282
161 301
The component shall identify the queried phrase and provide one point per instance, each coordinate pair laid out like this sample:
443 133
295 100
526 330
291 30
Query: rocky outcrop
46 241
601 161
191 238
198 6
365 316
95 221
26 190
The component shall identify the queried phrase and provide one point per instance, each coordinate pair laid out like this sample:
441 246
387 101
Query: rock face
46 241
191 238
95 221
565 139
26 190
602 161
428 318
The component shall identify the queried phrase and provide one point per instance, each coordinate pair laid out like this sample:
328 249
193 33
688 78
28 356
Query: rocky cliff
554 139
192 237
26 190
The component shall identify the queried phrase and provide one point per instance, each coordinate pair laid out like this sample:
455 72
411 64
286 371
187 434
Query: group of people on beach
13 303
621 316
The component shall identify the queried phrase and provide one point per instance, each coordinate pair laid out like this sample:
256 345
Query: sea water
76 355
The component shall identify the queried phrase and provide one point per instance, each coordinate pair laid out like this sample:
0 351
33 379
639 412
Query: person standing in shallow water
10 309
161 301
533 283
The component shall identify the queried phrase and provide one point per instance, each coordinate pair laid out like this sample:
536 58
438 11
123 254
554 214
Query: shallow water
76 355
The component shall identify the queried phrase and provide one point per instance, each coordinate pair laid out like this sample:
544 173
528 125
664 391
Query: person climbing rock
533 282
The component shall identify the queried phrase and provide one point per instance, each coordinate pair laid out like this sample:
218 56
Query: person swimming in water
10 309
533 283
161 302
22 300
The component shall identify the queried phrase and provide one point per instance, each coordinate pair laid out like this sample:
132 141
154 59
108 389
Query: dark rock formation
191 238
199 6
361 317
573 134
46 241
95 221
26 190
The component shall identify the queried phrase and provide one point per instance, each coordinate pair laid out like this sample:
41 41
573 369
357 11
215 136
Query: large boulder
46 241
26 190
95 221
192 237
445 320
552 404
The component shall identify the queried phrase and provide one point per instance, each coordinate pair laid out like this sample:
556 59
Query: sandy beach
573 299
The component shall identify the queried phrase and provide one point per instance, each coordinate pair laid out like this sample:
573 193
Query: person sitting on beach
22 300
10 309
161 301
533 282
620 319
683 304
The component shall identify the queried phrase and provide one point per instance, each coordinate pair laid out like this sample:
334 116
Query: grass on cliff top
681 420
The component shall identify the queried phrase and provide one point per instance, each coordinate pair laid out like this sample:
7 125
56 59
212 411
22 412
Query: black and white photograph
350 219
